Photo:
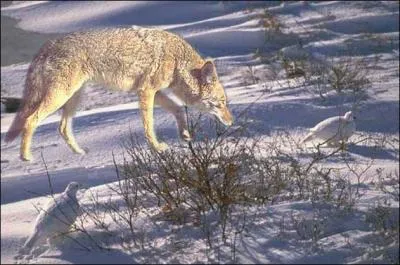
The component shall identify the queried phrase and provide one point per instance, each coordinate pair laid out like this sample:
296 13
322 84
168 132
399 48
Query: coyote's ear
207 72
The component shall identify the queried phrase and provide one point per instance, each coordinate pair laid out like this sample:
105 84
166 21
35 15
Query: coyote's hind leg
65 128
49 104
59 90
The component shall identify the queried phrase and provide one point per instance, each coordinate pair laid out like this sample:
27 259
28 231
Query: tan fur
141 60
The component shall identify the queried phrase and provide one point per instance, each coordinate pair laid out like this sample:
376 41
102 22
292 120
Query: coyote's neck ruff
141 60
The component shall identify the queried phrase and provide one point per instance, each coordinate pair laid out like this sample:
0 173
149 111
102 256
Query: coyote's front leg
169 105
146 103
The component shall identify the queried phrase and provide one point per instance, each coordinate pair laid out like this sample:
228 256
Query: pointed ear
196 73
207 72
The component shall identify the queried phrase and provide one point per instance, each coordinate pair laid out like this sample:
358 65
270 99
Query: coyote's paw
26 157
185 135
160 147
81 151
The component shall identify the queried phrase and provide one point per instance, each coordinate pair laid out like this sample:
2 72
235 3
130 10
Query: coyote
142 60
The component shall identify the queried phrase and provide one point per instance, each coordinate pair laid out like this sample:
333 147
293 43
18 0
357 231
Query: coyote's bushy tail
32 96
16 128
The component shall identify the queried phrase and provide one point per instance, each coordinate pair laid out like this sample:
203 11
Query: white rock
333 130
55 219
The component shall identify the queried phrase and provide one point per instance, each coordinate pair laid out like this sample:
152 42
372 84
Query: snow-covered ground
232 33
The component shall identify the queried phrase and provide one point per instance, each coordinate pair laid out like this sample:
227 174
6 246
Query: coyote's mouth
221 118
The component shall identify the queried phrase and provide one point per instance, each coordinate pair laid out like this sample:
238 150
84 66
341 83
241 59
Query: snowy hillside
294 63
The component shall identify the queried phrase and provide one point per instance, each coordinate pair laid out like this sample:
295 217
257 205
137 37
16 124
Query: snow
230 33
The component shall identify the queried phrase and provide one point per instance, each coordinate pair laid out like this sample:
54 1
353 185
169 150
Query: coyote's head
212 98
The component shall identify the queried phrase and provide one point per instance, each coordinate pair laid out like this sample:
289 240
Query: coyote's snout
141 60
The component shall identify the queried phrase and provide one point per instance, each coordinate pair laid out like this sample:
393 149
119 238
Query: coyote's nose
228 118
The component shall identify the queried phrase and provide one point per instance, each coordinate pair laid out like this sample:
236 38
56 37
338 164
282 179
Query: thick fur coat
141 60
